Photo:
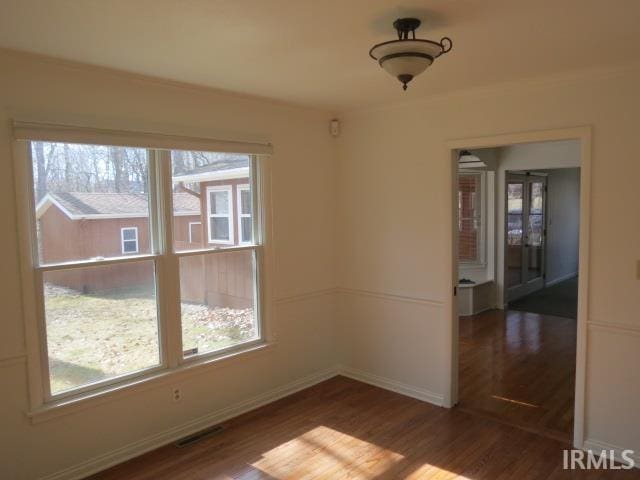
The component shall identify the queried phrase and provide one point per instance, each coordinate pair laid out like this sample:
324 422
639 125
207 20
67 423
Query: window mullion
168 272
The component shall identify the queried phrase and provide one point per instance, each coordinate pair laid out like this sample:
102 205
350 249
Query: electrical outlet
176 394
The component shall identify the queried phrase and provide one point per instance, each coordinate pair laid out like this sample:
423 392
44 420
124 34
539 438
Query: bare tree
117 164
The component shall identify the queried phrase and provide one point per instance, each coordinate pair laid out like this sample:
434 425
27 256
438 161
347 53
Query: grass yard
92 337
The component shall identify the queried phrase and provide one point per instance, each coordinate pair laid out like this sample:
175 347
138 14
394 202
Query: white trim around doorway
583 135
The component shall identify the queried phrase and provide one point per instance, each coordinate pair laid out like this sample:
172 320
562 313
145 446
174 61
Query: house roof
83 205
223 169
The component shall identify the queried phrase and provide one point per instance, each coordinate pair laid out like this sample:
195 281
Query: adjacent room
518 214
319 240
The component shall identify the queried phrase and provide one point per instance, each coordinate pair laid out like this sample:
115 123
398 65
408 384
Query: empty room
289 239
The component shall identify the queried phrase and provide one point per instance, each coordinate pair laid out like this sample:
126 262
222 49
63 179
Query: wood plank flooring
344 429
519 367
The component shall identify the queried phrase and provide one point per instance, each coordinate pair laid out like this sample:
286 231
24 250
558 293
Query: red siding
224 280
64 239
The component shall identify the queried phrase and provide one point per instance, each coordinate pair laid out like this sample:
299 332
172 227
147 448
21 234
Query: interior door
525 234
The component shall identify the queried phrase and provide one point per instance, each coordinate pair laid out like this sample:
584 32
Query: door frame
583 135
526 286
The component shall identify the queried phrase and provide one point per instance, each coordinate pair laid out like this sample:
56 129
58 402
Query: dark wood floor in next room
343 429
519 367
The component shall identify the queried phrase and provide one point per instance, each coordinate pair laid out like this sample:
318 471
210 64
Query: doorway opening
519 245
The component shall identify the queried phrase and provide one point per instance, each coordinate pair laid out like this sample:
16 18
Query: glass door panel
515 233
535 231
525 234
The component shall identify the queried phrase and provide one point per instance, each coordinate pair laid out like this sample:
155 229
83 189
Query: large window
470 218
135 260
217 278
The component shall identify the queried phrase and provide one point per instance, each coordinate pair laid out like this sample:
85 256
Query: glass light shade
406 65
466 156
426 47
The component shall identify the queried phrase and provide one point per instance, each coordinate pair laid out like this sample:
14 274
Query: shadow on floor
560 300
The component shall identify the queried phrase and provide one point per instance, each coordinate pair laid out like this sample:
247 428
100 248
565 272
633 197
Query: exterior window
245 223
217 283
97 281
129 239
195 232
220 211
99 308
470 218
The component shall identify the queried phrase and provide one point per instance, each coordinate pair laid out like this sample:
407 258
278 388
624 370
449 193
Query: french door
525 234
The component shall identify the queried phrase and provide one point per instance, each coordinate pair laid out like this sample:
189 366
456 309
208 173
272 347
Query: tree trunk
115 156
41 170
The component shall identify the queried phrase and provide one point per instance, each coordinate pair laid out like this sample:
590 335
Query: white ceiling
315 52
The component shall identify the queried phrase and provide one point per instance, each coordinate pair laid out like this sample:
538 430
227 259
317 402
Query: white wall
563 224
530 156
395 237
385 240
303 177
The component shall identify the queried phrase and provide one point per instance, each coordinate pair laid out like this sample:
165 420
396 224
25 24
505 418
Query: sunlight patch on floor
326 453
517 402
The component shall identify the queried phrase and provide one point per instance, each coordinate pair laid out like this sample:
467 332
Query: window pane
219 203
217 301
84 195
219 228
469 217
129 234
130 246
537 189
206 184
514 197
245 201
468 240
247 225
101 323
514 229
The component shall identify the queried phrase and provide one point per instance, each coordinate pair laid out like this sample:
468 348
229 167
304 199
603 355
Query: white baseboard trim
598 446
550 283
393 385
127 452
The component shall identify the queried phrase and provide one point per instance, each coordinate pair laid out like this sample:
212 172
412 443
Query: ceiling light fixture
406 57
466 159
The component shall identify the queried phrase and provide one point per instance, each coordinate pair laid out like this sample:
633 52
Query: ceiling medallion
407 57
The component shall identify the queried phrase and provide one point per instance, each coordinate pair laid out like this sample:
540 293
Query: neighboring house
225 200
211 207
79 225
104 224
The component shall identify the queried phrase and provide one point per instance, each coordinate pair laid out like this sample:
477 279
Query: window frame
229 190
481 240
43 405
190 232
245 187
122 240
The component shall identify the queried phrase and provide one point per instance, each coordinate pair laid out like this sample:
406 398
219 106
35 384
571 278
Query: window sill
153 380
472 264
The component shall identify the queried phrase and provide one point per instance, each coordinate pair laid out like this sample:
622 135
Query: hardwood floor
343 429
519 367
